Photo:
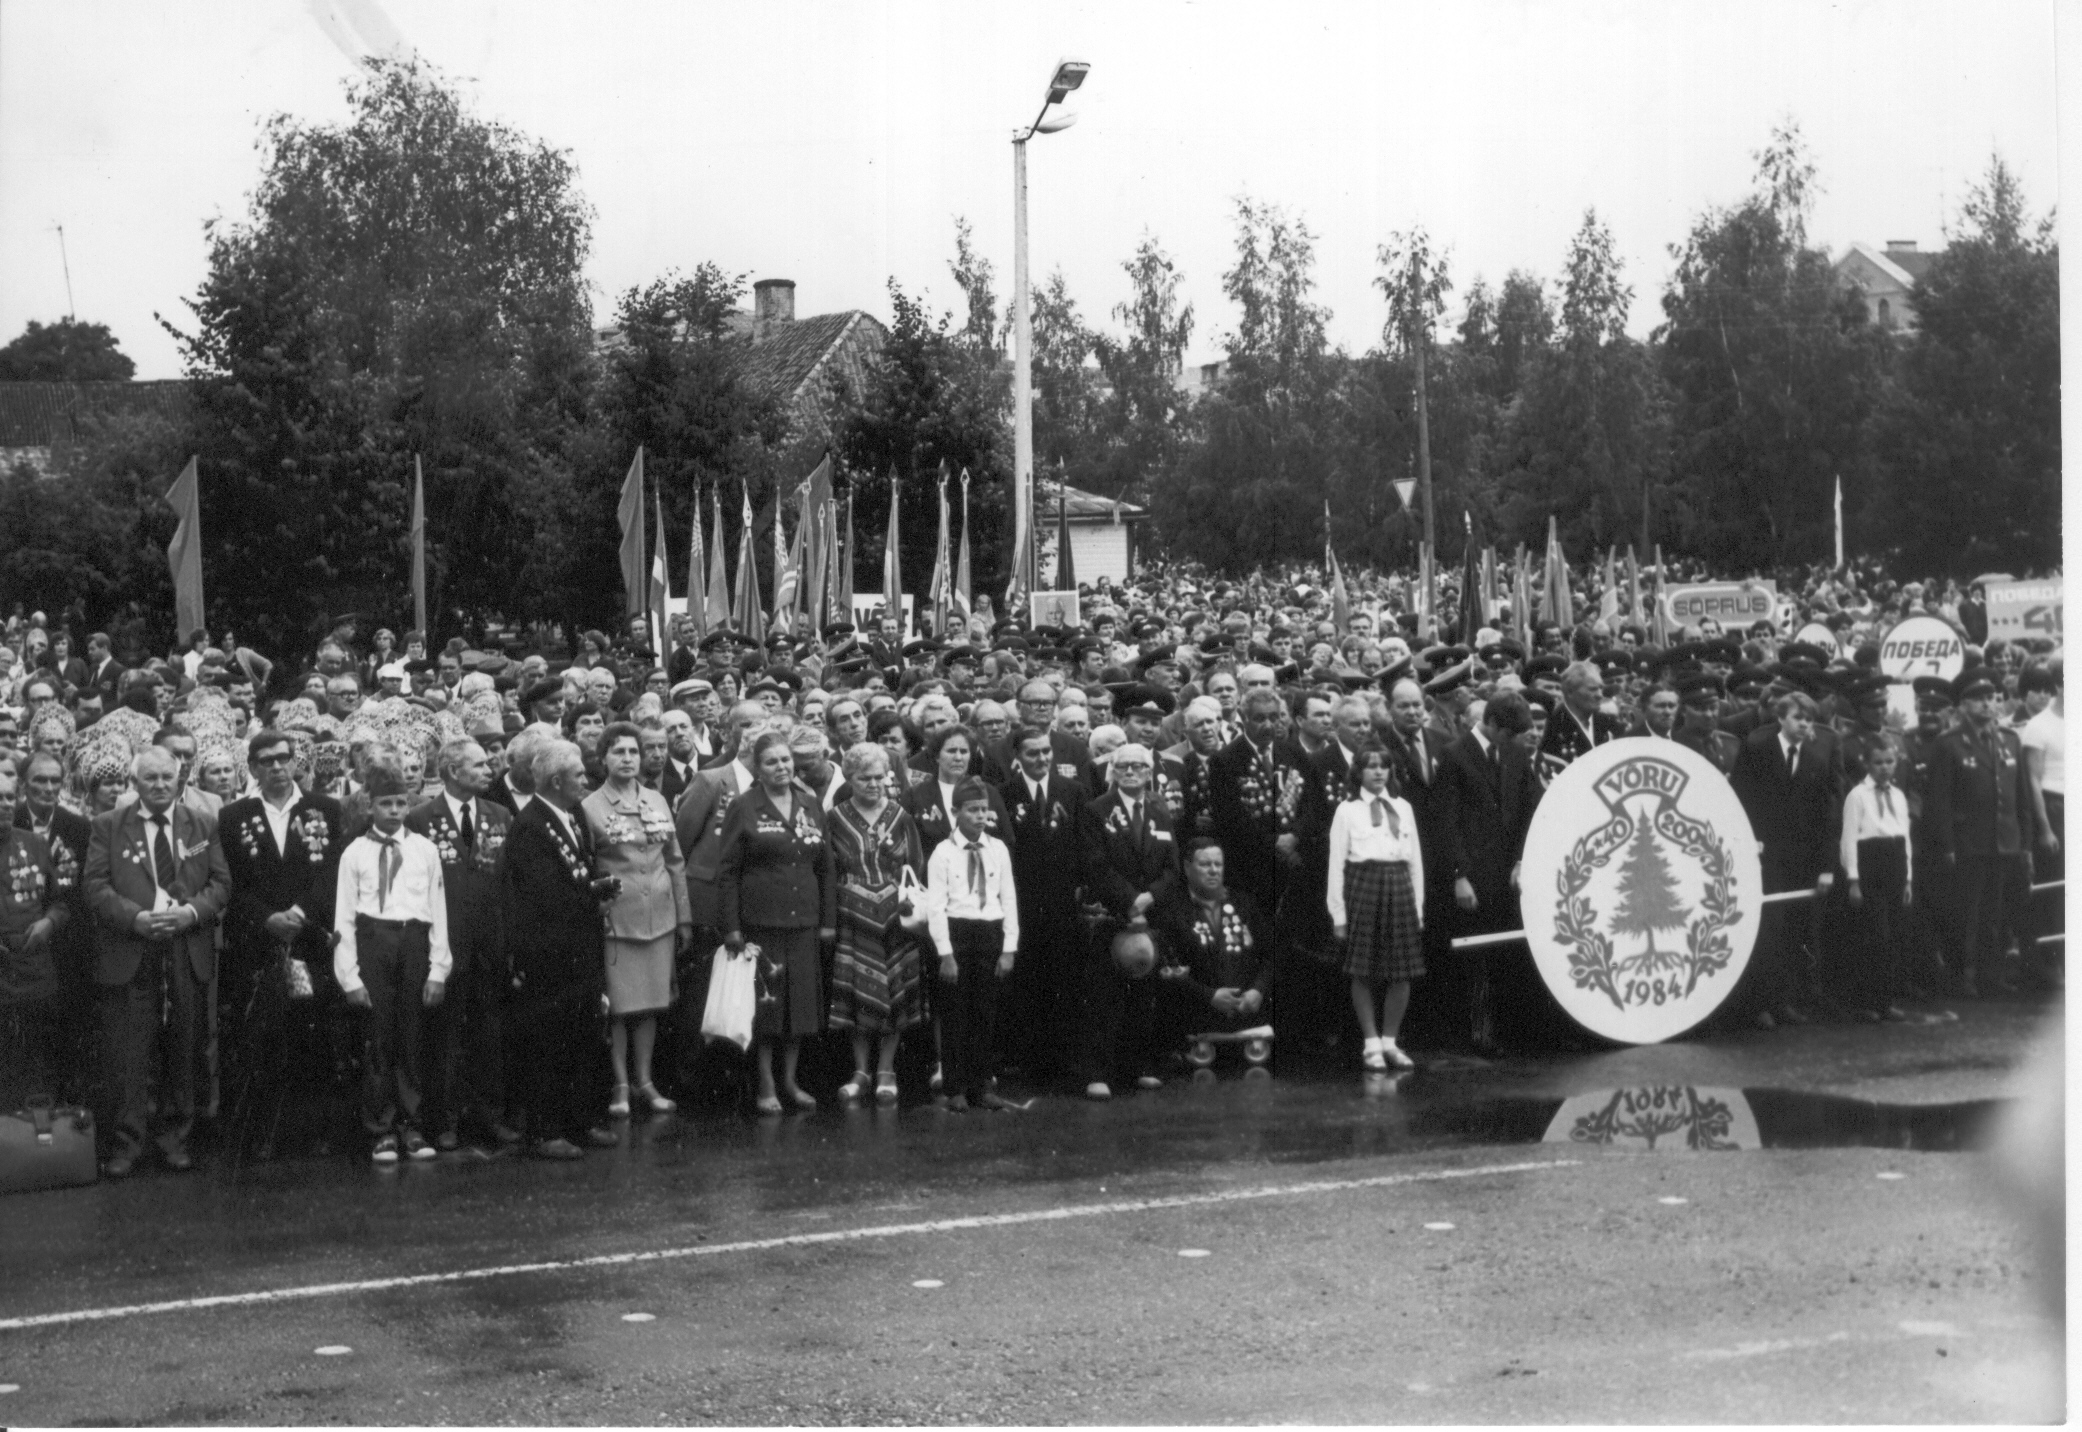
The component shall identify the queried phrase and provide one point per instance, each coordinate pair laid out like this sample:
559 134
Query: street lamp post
1026 562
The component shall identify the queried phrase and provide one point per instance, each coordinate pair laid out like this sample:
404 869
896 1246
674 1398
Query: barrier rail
1505 937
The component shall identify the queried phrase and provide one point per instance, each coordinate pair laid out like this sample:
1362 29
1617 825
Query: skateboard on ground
1256 1044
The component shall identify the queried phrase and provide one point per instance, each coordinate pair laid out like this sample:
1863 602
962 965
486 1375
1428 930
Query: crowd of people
474 894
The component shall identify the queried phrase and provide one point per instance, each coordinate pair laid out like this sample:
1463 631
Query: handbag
44 1146
910 904
732 996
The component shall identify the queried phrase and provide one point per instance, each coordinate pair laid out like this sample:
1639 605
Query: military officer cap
1748 679
1612 659
765 683
1395 671
715 639
1157 656
1146 628
1723 649
1973 683
963 653
1541 701
542 690
1504 650
1803 651
835 630
786 677
1700 688
849 665
1547 665
418 664
1451 679
1142 700
921 646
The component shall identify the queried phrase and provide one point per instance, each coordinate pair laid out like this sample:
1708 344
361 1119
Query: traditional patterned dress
875 985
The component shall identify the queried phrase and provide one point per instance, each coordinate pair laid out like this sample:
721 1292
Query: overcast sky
834 143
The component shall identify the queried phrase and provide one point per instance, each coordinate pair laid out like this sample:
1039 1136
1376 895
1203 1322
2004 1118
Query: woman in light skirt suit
648 920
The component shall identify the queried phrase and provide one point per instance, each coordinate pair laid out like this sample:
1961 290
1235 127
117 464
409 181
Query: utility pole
1422 342
70 315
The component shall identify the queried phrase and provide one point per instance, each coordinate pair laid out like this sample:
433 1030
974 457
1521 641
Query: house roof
1900 265
1081 506
43 414
784 363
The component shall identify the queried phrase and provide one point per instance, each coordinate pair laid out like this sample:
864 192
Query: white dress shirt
416 893
1867 816
1354 837
2047 733
950 896
278 819
456 809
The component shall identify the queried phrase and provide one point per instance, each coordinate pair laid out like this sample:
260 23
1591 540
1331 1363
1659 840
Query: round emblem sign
1659 1117
1815 634
1641 889
1922 646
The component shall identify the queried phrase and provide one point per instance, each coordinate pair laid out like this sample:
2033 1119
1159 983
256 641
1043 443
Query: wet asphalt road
1244 1250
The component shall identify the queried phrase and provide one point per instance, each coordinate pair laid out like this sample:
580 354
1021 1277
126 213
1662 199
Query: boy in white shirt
973 912
1875 858
392 959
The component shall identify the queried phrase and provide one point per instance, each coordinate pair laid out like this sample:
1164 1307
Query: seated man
1217 947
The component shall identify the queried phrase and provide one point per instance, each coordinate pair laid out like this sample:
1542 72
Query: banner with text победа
1735 605
2021 609
1922 646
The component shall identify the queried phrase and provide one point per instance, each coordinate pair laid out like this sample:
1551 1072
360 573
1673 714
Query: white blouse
1354 837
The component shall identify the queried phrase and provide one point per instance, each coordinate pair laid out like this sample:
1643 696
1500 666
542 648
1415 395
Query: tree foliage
931 397
64 352
1968 441
406 282
1773 372
1146 417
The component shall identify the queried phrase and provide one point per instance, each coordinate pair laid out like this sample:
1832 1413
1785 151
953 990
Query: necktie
1376 807
1135 823
387 862
1793 759
162 856
1886 808
1423 765
976 873
469 825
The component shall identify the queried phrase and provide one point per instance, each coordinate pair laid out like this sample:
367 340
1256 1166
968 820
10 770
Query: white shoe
1372 1057
1392 1052
1148 1081
1097 1090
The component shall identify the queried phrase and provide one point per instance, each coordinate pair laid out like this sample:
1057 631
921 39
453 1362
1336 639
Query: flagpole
419 547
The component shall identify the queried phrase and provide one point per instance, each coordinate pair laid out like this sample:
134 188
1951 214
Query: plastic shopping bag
732 994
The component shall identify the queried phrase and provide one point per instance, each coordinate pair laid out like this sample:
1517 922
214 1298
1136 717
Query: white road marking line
7 1387
1192 1252
333 1350
1760 1349
1439 1227
1672 1200
793 1240
1890 1175
639 1317
928 1283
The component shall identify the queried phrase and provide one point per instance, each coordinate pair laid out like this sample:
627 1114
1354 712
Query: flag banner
751 621
718 599
813 537
1558 606
964 598
1608 598
1657 614
661 586
697 573
1427 593
1065 567
847 590
419 547
892 563
1839 524
1340 598
1633 587
940 587
1472 618
784 572
184 552
1490 607
1021 581
630 511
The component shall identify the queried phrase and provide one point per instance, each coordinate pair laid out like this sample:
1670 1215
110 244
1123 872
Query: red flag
630 510
184 553
419 547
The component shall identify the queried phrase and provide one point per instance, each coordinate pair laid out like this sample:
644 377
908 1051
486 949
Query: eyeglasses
276 758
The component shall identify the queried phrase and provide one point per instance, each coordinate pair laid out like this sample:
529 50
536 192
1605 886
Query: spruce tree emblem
1648 901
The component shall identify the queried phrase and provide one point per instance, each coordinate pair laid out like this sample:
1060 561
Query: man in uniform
1981 826
1578 725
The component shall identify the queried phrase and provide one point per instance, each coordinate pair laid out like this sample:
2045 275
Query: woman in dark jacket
779 892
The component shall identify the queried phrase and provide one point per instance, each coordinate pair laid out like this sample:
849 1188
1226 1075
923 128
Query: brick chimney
1901 246
773 303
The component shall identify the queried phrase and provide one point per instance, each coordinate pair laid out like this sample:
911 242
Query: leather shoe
602 1138
179 1160
447 1142
556 1149
120 1166
995 1102
505 1135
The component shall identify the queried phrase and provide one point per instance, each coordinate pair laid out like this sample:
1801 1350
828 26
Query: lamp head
1055 122
1068 76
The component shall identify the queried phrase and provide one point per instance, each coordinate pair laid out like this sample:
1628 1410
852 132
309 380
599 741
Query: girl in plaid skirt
1376 896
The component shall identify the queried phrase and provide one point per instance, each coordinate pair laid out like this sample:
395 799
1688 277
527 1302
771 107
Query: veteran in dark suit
557 940
1131 860
1047 812
1488 797
157 885
276 990
466 1048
